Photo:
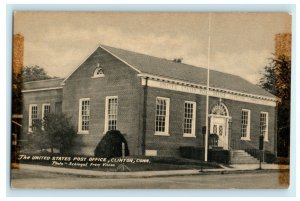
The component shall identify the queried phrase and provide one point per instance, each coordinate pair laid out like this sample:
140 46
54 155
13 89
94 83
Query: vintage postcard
164 100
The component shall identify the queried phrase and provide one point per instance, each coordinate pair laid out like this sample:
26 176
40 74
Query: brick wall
235 109
169 145
39 98
119 80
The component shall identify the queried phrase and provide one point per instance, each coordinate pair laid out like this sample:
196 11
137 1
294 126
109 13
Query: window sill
98 76
246 139
161 134
82 132
189 135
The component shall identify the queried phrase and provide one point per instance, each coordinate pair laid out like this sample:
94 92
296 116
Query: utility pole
207 91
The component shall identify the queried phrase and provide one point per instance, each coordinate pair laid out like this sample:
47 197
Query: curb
145 174
243 171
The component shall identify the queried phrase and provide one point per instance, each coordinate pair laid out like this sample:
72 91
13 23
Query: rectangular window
162 116
33 111
111 113
189 119
84 116
45 109
245 125
264 125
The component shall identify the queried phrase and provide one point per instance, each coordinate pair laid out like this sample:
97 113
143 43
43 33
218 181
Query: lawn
132 163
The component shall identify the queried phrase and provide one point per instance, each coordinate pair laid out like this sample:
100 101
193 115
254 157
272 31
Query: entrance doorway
219 119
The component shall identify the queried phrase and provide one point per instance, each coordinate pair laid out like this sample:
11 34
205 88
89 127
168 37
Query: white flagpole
207 91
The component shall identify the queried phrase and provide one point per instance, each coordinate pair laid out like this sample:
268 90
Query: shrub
269 157
191 152
214 155
111 145
53 132
219 156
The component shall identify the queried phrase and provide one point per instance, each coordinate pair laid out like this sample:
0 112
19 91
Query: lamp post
261 149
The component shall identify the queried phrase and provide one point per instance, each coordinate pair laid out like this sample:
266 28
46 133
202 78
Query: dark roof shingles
184 72
50 83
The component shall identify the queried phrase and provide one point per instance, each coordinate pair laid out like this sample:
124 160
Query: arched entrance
219 123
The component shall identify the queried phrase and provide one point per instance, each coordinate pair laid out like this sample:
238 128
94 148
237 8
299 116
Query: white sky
241 43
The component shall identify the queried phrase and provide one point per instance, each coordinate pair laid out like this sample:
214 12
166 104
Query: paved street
33 179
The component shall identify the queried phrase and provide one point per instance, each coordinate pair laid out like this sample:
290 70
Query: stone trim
41 89
63 82
183 86
120 59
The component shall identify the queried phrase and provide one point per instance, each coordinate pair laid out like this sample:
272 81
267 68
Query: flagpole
207 91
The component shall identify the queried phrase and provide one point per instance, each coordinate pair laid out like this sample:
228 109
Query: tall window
162 116
264 125
189 119
33 111
245 125
111 113
84 116
45 109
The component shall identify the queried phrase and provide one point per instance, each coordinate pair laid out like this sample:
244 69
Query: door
218 126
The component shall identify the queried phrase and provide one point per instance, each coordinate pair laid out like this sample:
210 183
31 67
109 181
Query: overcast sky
241 43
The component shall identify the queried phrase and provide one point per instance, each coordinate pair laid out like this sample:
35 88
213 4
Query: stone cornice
41 89
188 87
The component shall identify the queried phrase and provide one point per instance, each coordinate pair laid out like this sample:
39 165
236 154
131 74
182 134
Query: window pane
263 124
112 113
46 109
188 117
220 130
85 115
161 112
244 124
33 118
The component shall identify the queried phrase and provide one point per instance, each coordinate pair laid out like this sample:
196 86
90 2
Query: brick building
158 104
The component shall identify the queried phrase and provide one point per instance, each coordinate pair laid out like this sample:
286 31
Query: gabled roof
184 72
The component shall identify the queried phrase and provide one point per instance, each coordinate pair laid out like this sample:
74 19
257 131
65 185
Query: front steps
242 157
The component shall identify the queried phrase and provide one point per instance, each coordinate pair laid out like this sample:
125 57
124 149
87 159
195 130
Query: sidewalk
243 168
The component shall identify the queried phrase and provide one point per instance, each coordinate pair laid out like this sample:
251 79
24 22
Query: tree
276 79
34 73
53 132
267 81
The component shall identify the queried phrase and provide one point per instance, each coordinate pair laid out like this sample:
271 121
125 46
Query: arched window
220 109
98 72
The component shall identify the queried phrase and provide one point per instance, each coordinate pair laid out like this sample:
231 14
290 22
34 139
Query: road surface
30 179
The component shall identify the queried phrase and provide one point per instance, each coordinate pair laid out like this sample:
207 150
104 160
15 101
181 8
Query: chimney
18 53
